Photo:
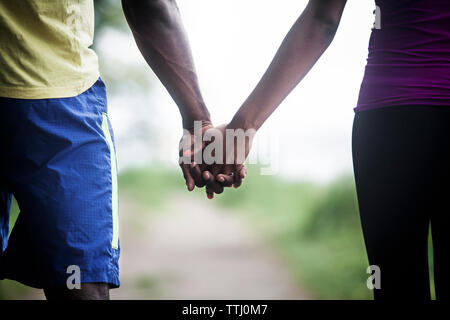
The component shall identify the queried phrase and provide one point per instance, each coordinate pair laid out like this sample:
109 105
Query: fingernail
221 179
210 196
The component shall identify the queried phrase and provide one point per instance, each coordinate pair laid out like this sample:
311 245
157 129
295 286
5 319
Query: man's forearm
160 36
304 44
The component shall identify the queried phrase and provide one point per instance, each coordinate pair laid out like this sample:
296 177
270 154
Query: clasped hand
214 157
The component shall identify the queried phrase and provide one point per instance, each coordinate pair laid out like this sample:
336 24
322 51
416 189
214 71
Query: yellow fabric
44 48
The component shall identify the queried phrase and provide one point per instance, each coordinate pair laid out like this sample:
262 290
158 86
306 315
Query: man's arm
307 40
160 36
162 40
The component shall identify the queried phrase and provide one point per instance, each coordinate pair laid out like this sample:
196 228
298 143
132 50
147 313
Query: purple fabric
409 57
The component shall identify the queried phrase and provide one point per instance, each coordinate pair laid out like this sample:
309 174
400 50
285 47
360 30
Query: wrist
190 123
242 122
197 113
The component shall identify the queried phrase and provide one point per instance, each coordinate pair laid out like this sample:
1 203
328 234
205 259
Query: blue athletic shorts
58 160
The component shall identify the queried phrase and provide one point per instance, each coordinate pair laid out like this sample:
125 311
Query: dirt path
193 250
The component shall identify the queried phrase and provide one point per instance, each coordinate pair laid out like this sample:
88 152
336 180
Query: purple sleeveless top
409 55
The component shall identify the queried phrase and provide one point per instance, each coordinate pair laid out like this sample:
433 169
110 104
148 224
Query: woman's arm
307 40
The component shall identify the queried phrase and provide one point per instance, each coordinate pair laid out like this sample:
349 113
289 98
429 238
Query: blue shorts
58 160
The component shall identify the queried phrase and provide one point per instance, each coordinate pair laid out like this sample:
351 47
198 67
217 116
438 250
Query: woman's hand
224 156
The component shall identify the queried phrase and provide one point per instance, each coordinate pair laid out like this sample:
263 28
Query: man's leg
62 173
88 291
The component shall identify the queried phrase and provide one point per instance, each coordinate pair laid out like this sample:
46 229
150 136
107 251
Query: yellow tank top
44 48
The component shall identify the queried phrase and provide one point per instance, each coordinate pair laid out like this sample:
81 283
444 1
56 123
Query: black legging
401 159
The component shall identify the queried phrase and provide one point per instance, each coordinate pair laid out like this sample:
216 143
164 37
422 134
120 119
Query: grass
150 187
12 290
316 228
9 289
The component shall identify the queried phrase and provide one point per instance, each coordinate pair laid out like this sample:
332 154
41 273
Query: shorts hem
112 280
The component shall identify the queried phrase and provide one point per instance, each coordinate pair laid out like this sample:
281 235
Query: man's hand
223 158
190 148
161 38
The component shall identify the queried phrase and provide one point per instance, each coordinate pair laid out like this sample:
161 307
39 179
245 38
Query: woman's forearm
307 40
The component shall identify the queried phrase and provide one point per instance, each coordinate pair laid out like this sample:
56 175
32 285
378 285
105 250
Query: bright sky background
233 42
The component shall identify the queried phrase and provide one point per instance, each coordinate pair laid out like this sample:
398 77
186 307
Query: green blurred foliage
335 209
150 186
11 289
315 227
121 75
14 215
108 14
